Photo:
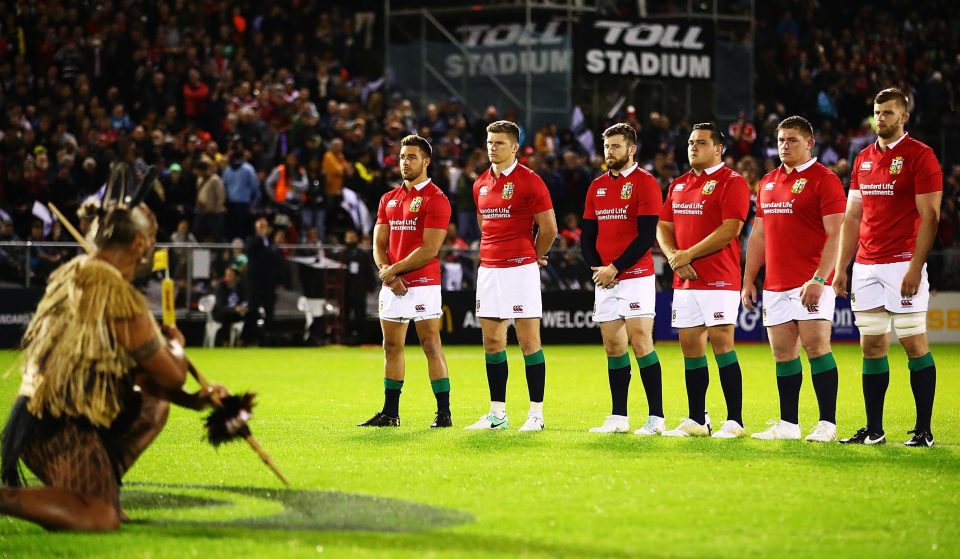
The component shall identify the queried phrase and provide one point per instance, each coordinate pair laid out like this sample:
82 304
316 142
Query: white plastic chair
313 309
205 305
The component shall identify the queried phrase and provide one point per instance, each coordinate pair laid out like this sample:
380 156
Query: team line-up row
805 233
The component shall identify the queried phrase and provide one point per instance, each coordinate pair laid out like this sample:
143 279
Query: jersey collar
804 167
506 172
420 186
714 169
891 145
626 172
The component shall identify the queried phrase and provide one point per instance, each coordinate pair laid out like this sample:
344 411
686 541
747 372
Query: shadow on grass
301 509
388 436
746 450
435 544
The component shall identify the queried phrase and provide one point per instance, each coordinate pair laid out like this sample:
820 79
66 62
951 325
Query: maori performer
99 375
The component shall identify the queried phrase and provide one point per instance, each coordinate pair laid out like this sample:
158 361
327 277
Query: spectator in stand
231 305
335 167
576 181
11 258
210 205
183 237
545 141
570 234
359 281
455 263
287 185
195 96
43 260
243 191
463 201
742 135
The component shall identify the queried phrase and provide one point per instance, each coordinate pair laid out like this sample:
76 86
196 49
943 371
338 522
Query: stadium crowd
281 110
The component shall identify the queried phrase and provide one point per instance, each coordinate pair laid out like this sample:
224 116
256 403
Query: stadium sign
661 49
510 49
489 58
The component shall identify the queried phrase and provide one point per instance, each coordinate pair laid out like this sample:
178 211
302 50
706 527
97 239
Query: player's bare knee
529 345
614 348
641 346
816 347
391 347
915 346
721 344
784 354
873 347
494 345
432 347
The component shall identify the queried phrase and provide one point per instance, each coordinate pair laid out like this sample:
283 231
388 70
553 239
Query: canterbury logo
813 309
518 308
634 306
718 316
906 303
421 308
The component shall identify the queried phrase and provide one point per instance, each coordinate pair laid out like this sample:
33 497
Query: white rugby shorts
507 293
631 298
704 307
780 307
418 303
878 286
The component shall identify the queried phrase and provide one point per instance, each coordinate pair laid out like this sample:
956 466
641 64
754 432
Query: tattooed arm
165 367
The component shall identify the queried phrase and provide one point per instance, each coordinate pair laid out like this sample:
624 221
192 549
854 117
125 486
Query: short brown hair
622 129
892 94
420 142
797 123
505 127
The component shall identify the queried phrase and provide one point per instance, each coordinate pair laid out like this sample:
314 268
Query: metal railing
197 269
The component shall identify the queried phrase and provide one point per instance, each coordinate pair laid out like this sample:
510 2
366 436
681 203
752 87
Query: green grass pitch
417 492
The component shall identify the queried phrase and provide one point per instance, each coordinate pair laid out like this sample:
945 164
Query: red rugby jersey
887 182
507 205
408 212
697 206
792 206
615 202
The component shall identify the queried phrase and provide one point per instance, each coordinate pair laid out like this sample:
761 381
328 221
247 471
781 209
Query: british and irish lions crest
798 186
627 191
507 191
896 165
709 187
416 203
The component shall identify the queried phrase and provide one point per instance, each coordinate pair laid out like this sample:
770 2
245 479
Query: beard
411 174
618 164
888 132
